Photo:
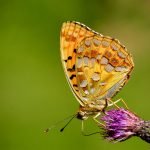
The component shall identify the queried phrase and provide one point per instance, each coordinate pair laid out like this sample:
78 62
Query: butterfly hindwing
103 66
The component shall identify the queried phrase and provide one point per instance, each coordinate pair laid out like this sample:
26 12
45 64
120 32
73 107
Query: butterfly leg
83 133
123 103
113 103
94 118
82 127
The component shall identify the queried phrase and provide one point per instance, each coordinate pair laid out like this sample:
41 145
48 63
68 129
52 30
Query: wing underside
97 67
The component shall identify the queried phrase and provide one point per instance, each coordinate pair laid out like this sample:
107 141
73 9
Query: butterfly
96 67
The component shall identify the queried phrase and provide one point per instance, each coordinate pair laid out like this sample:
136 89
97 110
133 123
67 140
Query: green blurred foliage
34 93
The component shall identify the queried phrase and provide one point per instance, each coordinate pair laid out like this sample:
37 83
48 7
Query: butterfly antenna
62 129
59 122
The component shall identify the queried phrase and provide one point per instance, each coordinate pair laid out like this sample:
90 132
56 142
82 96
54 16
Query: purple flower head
121 124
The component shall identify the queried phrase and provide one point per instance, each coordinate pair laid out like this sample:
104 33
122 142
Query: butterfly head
82 115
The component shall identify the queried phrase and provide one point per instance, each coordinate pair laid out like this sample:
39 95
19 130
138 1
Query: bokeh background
34 93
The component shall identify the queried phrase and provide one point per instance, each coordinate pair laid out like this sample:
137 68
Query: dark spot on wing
72 76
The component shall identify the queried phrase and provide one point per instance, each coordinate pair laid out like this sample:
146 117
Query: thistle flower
121 124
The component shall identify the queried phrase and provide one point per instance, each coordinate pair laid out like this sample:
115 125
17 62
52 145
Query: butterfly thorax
91 108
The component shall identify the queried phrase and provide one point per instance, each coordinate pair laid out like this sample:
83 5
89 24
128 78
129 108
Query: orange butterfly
96 67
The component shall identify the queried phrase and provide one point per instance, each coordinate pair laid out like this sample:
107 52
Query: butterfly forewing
96 66
72 33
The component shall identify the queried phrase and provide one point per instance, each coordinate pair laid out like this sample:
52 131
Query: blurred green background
34 93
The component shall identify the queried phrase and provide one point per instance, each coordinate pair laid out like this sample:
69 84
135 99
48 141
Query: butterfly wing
96 67
72 33
103 66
